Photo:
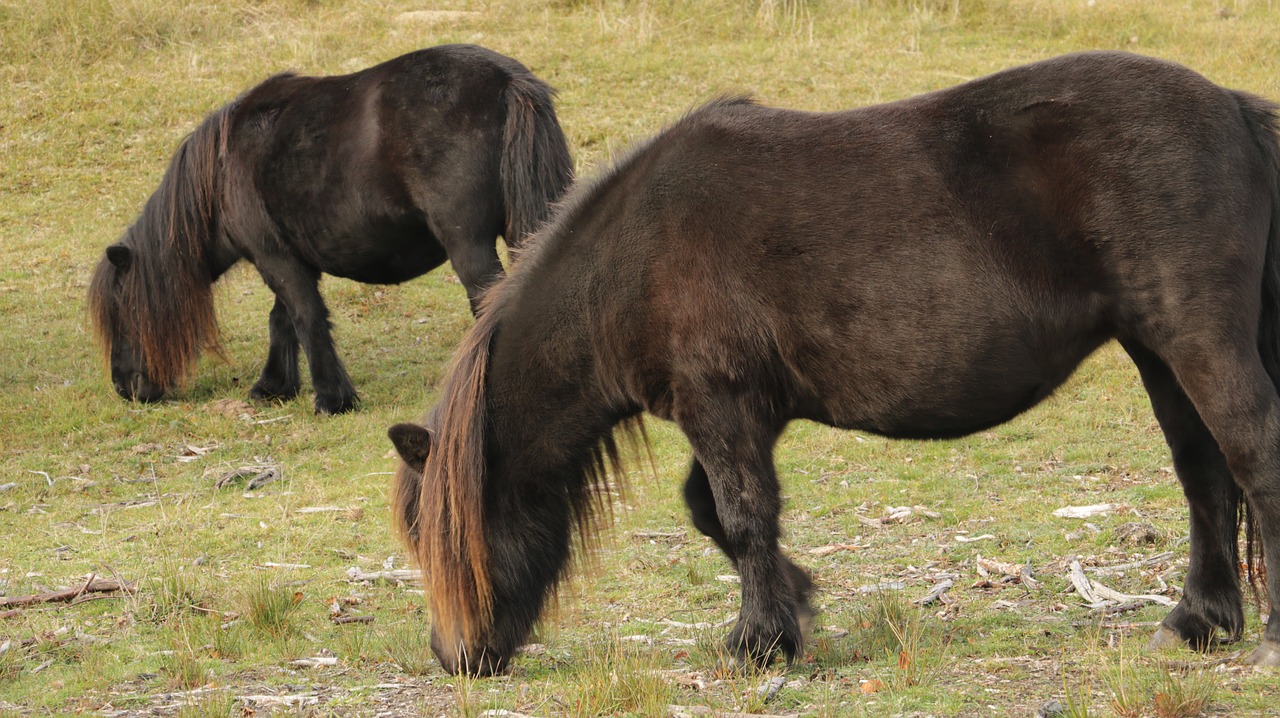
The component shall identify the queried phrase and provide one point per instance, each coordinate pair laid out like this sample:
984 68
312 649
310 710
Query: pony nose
479 663
137 387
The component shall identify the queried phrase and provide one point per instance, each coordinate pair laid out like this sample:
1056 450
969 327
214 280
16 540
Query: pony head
463 635
110 304
151 297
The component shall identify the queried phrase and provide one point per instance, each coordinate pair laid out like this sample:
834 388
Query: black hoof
758 648
336 404
1198 628
267 391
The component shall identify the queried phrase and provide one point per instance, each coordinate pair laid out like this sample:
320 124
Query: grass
237 583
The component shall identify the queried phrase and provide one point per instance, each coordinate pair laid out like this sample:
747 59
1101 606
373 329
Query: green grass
235 584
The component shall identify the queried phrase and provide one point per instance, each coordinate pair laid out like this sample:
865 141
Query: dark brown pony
925 268
379 176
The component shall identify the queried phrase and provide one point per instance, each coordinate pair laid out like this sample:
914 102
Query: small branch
340 620
261 475
936 592
1122 567
400 574
1099 596
93 585
688 711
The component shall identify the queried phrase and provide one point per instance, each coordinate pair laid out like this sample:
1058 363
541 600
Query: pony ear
120 255
413 443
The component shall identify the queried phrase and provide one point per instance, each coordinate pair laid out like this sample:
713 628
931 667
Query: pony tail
536 166
1261 118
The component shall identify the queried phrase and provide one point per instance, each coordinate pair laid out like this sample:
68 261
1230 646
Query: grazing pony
925 268
378 176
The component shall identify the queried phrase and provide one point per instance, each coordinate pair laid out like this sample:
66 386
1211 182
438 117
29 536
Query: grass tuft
613 679
408 645
270 609
1183 691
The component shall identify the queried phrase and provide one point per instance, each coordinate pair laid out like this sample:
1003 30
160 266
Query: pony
925 268
379 176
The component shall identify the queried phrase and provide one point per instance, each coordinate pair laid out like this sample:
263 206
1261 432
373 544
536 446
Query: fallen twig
300 699
262 475
832 548
1099 596
400 574
340 620
315 662
659 535
690 711
1083 512
936 592
1122 567
93 585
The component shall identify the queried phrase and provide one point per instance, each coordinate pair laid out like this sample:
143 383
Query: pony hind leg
738 459
702 507
1225 379
279 379
1211 597
297 287
475 258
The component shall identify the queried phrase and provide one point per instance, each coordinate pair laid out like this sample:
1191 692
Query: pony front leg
739 469
279 378
297 287
702 509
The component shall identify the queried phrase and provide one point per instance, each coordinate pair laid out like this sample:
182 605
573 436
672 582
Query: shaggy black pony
378 176
924 268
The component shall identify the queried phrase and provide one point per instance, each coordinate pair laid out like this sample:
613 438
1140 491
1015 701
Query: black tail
1264 123
536 165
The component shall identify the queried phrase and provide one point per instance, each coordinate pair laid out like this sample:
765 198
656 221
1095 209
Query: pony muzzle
136 386
458 659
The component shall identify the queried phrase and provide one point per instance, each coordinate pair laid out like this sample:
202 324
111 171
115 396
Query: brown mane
450 518
440 514
164 301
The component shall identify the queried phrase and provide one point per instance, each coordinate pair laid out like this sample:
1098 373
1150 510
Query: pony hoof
1165 638
1266 655
337 405
265 393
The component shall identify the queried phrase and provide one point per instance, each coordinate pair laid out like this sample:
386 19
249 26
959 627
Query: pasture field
234 585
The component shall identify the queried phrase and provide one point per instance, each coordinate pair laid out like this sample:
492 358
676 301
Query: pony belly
385 258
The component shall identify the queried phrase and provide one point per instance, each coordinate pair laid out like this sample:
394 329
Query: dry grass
98 93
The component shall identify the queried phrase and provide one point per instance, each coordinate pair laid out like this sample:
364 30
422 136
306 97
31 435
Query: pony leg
475 259
279 378
297 287
702 507
738 460
1211 596
1238 403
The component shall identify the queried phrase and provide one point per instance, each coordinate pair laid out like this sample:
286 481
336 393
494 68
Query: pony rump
163 299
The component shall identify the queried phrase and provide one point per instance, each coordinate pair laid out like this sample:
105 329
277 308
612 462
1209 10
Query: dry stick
11 613
400 574
352 619
93 585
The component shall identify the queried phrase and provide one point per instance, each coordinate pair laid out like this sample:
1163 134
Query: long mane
440 515
164 301
450 507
